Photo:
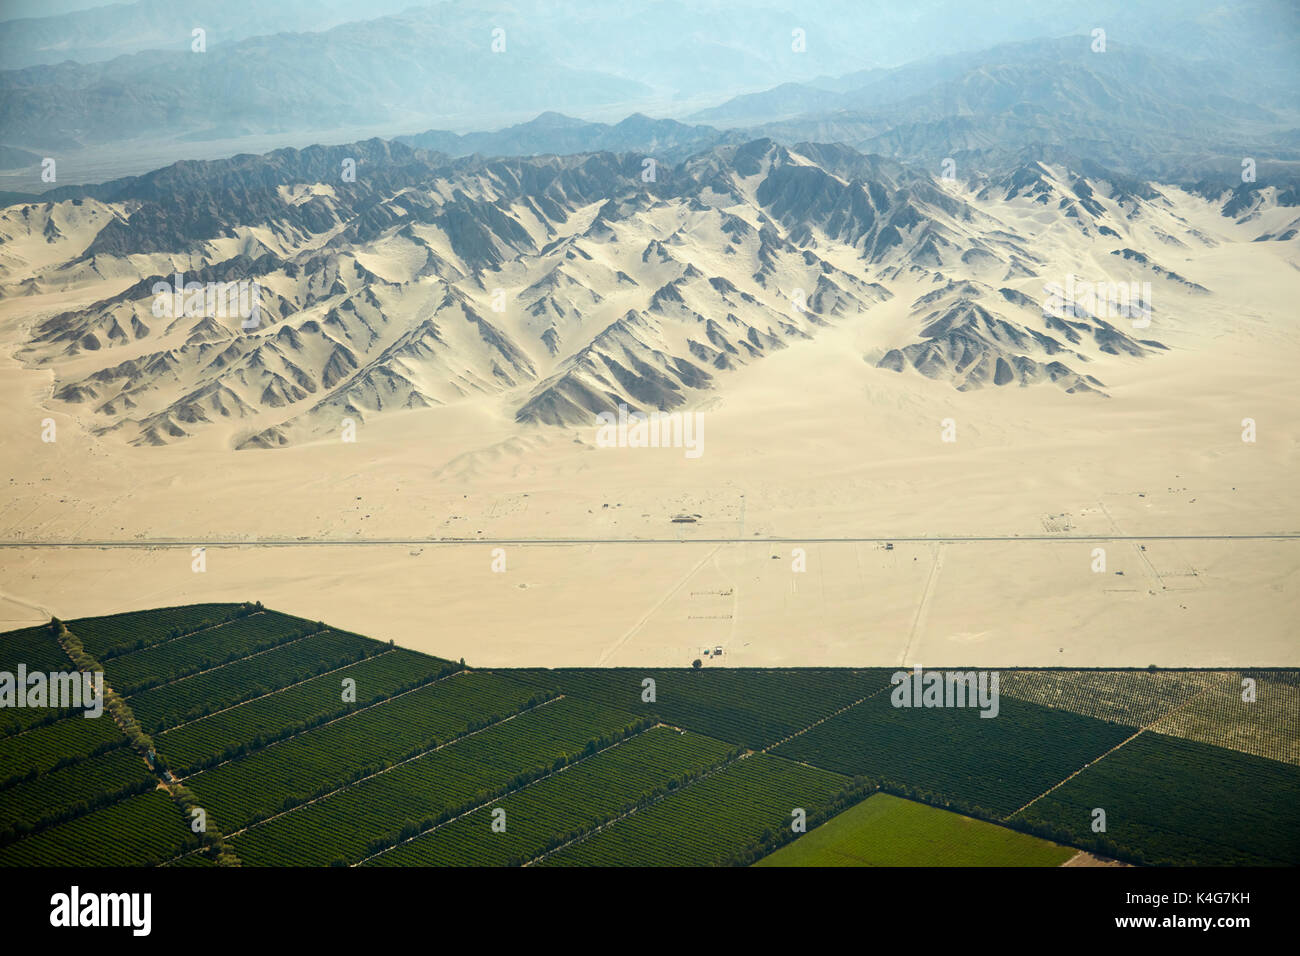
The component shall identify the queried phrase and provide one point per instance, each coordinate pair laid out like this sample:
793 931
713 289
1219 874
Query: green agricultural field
242 709
178 657
265 719
714 820
361 820
71 791
885 830
1170 801
48 746
108 637
143 830
955 757
1207 706
189 698
565 804
286 773
37 649
754 708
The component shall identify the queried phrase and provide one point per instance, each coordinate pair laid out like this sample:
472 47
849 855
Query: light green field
885 830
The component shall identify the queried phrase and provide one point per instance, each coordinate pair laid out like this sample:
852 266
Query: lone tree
697 663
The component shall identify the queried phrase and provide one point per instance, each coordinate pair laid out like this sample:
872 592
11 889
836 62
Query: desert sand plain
393 535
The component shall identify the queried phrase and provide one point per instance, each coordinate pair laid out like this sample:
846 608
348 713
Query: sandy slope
811 442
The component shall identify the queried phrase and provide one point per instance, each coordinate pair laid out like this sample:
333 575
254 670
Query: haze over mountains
1083 260
1137 111
109 30
883 81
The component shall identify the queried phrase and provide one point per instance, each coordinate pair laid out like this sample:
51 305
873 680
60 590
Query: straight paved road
424 542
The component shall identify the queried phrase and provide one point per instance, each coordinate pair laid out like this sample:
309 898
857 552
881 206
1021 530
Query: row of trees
213 839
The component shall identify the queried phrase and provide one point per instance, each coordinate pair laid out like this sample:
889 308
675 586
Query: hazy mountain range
120 74
1134 110
542 264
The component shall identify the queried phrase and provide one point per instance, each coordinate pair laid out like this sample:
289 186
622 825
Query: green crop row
566 804
288 773
1175 802
715 820
63 794
753 708
116 634
954 758
252 725
378 812
37 649
143 830
50 746
192 697
171 660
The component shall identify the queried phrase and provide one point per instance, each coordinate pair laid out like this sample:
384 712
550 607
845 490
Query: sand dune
811 433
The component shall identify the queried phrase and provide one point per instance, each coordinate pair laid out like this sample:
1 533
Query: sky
13 9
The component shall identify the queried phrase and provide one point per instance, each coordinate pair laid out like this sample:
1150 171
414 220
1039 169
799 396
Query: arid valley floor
813 447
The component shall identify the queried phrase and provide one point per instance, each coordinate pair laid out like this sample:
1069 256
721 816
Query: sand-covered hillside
826 320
